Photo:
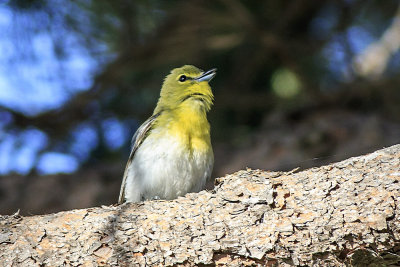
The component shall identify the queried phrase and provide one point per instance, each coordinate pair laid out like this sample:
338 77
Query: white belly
163 169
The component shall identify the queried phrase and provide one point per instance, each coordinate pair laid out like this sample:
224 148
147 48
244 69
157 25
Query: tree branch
347 212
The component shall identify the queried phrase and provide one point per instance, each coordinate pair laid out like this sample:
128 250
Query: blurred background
300 83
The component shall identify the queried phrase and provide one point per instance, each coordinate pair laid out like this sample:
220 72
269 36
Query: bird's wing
137 140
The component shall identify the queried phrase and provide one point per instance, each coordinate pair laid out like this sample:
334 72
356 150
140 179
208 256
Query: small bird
171 151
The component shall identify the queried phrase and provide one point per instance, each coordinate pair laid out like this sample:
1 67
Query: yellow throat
185 99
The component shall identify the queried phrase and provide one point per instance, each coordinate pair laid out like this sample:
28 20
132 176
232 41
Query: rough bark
343 213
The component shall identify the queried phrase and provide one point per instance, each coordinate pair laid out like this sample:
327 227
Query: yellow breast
190 125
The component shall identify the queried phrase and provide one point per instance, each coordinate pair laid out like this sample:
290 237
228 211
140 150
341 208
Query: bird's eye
182 78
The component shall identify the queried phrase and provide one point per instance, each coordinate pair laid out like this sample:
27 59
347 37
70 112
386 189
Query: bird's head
187 85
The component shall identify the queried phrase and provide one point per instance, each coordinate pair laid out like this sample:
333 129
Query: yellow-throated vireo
172 153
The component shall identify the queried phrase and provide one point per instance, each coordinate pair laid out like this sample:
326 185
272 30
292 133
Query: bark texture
343 213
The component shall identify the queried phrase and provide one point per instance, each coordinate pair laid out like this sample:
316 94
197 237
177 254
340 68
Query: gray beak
206 76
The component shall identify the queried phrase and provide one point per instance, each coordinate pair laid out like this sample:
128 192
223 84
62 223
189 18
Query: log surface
343 213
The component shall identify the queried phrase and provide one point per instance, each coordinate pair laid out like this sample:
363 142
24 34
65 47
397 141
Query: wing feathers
137 140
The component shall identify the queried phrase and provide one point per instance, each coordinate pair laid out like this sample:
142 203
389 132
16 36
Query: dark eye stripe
184 78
